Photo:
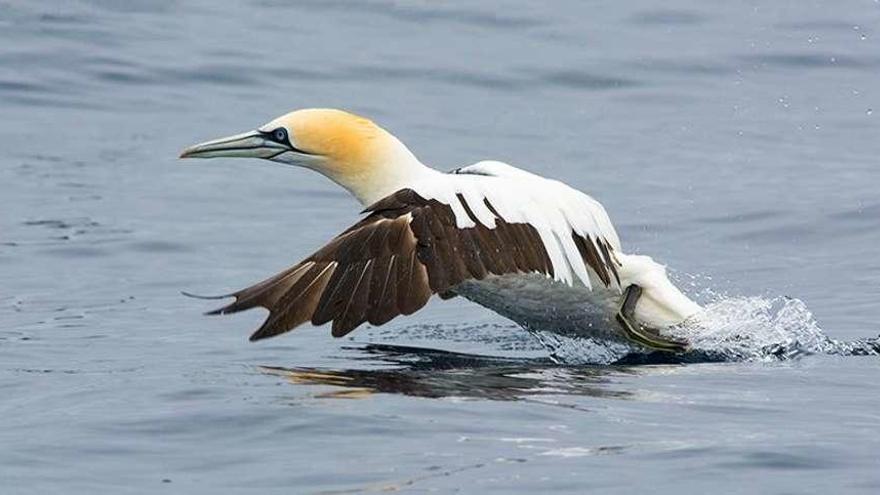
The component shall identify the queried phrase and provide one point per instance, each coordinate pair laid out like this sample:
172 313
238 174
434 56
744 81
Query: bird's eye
280 135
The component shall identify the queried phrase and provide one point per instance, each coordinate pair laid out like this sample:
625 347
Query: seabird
532 249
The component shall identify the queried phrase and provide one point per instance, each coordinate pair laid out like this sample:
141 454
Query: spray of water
755 328
729 329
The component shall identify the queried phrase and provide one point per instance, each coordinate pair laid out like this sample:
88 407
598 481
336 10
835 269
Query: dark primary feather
391 262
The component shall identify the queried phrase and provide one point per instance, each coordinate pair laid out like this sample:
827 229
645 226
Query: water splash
730 329
565 349
756 329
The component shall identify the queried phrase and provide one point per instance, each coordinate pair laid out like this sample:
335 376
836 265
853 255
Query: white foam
755 328
729 329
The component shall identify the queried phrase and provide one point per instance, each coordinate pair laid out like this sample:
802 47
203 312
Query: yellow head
349 149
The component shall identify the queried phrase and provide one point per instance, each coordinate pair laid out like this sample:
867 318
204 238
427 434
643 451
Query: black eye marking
280 136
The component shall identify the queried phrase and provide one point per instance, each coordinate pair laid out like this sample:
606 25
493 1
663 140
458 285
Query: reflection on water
430 373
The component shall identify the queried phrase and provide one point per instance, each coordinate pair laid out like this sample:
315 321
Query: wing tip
269 328
219 311
199 296
340 328
265 331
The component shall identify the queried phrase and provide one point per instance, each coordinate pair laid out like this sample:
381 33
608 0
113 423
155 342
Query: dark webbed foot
647 337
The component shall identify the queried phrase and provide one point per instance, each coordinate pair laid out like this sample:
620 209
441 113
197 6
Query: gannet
532 249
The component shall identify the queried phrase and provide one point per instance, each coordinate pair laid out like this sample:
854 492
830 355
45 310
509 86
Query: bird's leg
649 338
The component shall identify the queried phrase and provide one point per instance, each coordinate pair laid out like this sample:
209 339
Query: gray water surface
735 141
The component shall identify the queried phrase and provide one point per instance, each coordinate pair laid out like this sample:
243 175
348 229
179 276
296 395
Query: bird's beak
251 144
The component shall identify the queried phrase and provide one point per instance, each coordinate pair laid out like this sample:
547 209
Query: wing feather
297 304
407 248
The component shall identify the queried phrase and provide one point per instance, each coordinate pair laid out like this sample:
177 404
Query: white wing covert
574 228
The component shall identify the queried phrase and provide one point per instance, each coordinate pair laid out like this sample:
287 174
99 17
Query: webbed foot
648 337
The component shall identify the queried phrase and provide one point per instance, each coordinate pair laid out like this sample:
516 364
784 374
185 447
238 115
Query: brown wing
392 261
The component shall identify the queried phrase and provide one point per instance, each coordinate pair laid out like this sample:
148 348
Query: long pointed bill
246 145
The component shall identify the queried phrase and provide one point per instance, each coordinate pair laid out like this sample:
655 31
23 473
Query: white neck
396 169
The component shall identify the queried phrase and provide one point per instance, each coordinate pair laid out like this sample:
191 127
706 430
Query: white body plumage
532 249
574 300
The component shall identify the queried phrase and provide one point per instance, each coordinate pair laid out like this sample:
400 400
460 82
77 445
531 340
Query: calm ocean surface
738 142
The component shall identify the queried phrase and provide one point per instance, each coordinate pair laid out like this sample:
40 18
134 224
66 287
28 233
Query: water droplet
863 37
869 111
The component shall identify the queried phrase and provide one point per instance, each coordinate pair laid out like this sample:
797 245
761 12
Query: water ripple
429 13
813 61
668 17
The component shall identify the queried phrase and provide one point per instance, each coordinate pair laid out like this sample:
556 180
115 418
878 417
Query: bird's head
349 149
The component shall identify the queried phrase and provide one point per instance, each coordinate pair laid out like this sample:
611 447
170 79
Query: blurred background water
735 141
